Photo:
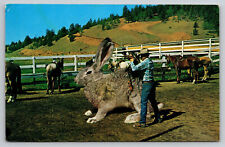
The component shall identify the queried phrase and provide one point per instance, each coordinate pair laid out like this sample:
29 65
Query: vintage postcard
112 73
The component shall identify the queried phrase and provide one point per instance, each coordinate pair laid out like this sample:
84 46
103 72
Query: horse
13 80
205 62
117 65
202 62
53 72
191 63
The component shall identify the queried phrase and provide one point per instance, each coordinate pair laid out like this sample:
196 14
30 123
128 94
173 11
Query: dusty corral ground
191 113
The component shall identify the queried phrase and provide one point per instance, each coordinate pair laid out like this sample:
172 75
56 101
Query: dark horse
53 72
190 63
13 80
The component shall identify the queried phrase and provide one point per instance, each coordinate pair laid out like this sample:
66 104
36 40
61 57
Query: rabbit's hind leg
132 118
135 103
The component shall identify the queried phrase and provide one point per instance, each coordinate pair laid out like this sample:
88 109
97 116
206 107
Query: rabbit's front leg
103 109
88 113
99 116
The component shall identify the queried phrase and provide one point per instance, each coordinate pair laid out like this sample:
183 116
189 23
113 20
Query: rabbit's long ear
104 53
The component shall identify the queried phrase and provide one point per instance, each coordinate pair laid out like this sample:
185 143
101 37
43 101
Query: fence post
182 52
160 50
75 63
116 55
210 48
34 68
163 68
126 47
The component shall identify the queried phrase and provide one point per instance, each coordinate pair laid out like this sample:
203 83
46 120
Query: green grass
68 81
186 26
40 83
65 46
121 37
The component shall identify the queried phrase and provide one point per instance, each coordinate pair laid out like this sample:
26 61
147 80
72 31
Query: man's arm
139 66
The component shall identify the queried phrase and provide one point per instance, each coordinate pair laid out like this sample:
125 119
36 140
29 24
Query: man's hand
131 58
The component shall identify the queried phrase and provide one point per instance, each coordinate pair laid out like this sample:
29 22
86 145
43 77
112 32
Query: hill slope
124 34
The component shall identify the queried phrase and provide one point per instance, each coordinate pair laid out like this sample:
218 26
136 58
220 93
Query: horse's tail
19 85
46 65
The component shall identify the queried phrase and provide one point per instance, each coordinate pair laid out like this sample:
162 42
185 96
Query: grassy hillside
124 34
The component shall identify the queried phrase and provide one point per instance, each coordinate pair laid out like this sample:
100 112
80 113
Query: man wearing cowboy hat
148 88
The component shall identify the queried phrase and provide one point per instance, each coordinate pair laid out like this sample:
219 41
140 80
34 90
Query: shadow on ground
167 115
164 132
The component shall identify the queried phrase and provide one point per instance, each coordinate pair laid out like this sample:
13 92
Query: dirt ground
191 113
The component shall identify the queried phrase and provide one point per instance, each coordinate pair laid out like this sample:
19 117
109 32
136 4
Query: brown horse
184 63
53 72
13 80
202 62
205 62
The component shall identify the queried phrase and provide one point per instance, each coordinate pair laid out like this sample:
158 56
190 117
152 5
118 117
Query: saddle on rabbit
109 91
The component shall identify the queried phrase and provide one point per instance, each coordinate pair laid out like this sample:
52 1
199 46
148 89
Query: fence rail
206 47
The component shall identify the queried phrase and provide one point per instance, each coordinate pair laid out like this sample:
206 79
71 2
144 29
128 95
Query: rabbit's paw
88 113
160 106
132 118
92 120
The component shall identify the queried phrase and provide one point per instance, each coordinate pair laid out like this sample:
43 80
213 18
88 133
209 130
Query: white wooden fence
206 47
34 65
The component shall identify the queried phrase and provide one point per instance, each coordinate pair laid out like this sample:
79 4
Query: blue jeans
148 93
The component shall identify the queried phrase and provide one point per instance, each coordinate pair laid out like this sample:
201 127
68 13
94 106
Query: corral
191 113
34 66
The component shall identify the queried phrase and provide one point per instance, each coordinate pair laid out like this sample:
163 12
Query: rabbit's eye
89 72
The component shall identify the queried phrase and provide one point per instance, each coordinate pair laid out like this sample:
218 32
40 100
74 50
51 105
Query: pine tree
27 41
71 37
195 31
49 37
78 28
62 32
88 24
103 25
72 29
12 47
125 11
195 25
19 45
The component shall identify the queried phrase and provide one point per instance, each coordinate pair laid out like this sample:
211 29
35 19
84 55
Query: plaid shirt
147 67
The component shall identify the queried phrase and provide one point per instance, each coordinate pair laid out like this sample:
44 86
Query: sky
34 19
